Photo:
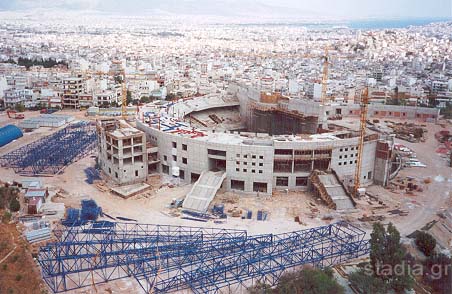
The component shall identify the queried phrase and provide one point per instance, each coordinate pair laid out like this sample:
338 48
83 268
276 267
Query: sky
302 8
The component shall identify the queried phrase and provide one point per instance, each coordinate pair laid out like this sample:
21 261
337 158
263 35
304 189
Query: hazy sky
321 8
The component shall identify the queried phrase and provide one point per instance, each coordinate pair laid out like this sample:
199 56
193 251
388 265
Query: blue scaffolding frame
51 154
163 258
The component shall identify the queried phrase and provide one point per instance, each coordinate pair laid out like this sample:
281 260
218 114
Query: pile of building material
409 132
90 211
38 235
45 120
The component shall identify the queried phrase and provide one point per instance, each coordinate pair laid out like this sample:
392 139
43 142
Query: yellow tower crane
362 134
324 77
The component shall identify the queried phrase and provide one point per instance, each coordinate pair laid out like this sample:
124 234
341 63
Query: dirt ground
19 273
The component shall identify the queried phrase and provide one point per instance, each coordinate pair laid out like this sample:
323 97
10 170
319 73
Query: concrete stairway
331 191
204 190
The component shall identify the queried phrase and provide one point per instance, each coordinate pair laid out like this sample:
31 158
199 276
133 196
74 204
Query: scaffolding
164 259
51 154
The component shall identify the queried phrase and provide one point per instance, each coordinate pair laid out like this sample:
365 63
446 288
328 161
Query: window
238 185
237 169
260 171
253 171
116 174
184 147
369 175
261 164
182 174
245 163
351 155
351 161
174 145
345 156
346 149
340 163
216 152
345 162
353 148
245 170
340 156
136 173
253 157
301 181
165 169
174 158
260 187
184 160
109 170
165 158
237 155
282 181
245 156
237 162
340 150
253 163
261 157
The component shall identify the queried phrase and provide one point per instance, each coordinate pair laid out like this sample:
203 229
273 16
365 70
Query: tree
367 283
20 107
438 273
6 195
145 99
14 205
129 97
306 281
426 243
387 254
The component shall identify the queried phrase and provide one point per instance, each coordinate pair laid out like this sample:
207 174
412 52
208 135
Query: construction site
216 193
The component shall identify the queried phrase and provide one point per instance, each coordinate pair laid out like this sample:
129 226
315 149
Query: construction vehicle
362 134
15 115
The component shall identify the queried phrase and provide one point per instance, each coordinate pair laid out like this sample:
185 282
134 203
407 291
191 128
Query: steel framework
163 259
51 154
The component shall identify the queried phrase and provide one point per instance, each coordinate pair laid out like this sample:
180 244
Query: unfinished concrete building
123 152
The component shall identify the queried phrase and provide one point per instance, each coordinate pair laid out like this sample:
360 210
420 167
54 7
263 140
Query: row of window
351 148
345 156
245 170
253 156
345 162
184 159
184 146
246 163
284 181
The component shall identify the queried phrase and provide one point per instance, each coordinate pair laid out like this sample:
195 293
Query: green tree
386 255
438 273
306 281
129 97
6 195
14 205
145 99
20 107
367 283
426 243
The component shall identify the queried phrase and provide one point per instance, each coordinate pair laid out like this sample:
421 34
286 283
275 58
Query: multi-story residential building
72 89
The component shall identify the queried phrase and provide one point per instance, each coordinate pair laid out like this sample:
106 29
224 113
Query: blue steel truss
51 154
163 259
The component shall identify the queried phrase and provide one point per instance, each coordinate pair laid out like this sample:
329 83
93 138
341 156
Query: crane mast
124 94
324 77
362 134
